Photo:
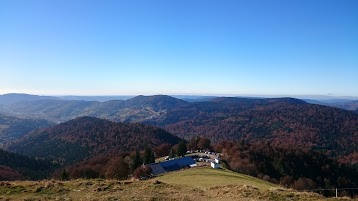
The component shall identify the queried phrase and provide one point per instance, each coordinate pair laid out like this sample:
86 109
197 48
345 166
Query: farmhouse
171 165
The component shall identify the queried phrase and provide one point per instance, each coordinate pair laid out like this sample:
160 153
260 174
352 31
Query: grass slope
193 184
205 178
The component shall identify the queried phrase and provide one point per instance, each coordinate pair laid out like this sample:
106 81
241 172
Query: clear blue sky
73 47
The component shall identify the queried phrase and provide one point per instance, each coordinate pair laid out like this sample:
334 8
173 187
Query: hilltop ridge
277 120
84 137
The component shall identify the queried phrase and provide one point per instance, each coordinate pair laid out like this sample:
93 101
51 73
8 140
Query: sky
201 47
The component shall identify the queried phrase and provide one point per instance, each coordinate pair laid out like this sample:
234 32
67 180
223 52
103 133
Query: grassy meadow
202 183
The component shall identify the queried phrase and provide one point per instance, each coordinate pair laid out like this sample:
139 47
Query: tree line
301 169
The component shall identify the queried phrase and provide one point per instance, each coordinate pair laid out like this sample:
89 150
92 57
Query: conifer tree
171 153
182 148
148 154
152 158
136 161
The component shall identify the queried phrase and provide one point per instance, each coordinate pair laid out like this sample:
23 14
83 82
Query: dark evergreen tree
136 161
171 153
148 156
182 148
152 158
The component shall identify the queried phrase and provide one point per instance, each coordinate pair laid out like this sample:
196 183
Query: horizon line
330 96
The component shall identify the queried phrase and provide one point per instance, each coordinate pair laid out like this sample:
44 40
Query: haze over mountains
281 121
59 109
344 102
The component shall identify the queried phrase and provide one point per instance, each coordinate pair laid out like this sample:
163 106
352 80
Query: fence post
336 193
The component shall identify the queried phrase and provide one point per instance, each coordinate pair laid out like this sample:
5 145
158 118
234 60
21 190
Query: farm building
171 165
215 165
217 160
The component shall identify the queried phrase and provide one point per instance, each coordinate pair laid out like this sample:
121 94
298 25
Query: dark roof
157 169
182 162
171 165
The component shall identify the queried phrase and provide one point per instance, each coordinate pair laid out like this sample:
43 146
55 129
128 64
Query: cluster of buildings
179 163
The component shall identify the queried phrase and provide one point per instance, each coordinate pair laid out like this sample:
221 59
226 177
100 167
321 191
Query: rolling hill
86 144
137 109
351 105
12 128
89 137
12 98
18 167
290 167
278 120
52 110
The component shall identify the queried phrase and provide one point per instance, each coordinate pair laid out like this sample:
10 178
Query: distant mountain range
8 99
347 103
137 109
281 121
351 105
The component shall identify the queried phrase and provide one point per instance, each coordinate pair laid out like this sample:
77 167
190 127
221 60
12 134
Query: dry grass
193 184
205 178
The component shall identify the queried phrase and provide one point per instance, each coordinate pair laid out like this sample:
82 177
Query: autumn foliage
290 167
85 137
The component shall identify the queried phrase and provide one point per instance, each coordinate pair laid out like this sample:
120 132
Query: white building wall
215 165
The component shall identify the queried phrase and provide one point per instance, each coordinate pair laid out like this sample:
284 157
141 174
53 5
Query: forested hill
137 109
12 127
89 137
281 122
288 121
294 168
18 167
